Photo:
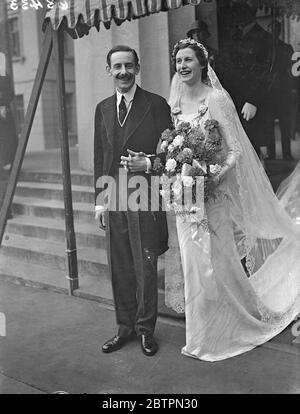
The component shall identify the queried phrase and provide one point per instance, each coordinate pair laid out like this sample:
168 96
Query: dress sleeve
222 109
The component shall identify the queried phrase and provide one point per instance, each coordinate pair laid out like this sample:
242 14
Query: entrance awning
78 16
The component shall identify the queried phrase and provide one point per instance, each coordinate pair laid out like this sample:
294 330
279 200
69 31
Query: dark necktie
122 110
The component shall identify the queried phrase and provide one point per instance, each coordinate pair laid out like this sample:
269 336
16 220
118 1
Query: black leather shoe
148 345
116 343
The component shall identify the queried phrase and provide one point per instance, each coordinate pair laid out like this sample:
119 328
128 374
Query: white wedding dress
230 310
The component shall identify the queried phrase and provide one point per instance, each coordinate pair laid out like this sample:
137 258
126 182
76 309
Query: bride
230 308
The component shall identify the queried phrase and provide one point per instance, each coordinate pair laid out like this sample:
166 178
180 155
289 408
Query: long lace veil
259 221
288 193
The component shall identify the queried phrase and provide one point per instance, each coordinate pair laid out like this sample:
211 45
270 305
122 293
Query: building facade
26 45
85 66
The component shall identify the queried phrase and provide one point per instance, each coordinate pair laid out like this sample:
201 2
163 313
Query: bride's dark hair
200 51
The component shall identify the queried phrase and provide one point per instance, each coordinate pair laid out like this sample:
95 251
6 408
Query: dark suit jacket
148 117
246 74
282 79
251 57
8 135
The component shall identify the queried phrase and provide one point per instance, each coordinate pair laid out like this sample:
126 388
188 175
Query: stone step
43 228
91 261
32 206
98 289
40 275
33 249
54 191
78 177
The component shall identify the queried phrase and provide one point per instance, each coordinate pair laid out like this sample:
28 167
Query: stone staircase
33 248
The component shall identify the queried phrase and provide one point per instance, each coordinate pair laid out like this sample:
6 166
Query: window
13 24
19 102
71 114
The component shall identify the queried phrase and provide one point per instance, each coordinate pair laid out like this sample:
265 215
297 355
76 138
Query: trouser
285 130
133 269
279 107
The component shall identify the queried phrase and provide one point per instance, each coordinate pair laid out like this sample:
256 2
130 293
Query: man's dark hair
122 48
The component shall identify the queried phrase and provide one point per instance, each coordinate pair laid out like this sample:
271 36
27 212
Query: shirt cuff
148 169
99 208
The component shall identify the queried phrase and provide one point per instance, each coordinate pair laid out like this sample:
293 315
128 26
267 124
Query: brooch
202 109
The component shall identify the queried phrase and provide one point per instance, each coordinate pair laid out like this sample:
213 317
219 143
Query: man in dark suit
245 72
280 96
131 119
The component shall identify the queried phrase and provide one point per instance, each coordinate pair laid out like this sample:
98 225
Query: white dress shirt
128 96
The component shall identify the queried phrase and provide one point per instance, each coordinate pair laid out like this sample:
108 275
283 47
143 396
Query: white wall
180 21
92 85
155 54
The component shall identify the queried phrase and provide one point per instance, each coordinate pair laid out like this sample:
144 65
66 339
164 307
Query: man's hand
248 111
99 217
136 161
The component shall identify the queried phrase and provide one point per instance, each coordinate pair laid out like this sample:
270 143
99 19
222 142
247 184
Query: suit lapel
140 107
109 111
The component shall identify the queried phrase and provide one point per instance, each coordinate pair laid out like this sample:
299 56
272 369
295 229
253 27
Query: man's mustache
124 77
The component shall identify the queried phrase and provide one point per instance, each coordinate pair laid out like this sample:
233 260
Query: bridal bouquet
192 156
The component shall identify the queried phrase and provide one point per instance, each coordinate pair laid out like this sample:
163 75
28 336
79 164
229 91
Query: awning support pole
58 49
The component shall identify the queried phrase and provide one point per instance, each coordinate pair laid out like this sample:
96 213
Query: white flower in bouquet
177 189
186 170
187 152
187 181
165 193
178 141
171 147
164 145
215 169
171 164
